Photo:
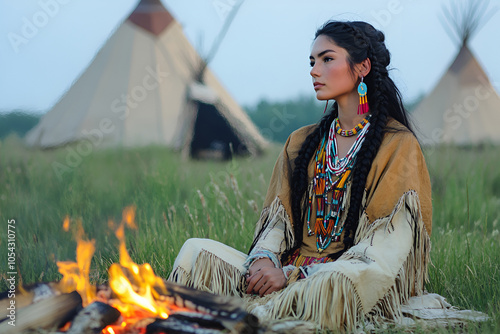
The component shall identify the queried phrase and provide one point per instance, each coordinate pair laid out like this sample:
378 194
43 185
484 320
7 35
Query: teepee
463 108
145 87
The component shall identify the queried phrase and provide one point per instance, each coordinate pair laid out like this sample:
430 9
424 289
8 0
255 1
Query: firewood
201 319
201 301
175 325
94 318
186 322
29 295
224 310
49 313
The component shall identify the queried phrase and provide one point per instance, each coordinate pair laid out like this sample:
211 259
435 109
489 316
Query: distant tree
276 120
18 122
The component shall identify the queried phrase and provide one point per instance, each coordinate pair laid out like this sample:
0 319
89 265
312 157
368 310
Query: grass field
177 200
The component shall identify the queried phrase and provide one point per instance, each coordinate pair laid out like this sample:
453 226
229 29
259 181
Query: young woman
344 234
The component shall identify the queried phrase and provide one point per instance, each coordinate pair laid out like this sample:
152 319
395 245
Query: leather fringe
327 299
413 274
211 274
274 215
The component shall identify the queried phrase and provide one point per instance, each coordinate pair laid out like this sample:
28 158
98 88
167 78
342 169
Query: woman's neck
348 111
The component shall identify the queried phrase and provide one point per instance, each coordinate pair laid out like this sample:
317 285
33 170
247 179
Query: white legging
211 266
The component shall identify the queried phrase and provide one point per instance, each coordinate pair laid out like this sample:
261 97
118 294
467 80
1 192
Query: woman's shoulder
395 126
398 143
396 133
301 134
297 138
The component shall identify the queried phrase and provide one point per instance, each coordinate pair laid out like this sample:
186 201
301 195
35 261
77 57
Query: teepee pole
218 40
463 19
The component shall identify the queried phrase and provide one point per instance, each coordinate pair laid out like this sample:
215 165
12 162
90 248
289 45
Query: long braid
364 160
300 175
380 108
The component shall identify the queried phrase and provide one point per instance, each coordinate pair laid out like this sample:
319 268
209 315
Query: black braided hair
361 40
306 152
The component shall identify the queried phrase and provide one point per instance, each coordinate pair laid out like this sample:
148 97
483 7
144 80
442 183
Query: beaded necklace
353 131
330 176
335 164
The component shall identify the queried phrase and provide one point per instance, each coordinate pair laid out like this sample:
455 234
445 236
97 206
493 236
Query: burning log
49 313
186 323
200 301
206 311
199 323
94 318
194 311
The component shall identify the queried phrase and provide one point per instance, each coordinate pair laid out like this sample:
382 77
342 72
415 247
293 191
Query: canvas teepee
463 108
144 87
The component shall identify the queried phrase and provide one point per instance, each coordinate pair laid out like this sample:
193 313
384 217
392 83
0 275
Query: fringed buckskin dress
370 283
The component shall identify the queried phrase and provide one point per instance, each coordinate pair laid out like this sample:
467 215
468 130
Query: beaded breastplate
327 190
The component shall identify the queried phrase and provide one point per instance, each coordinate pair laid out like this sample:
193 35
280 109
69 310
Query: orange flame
76 274
66 224
128 216
135 286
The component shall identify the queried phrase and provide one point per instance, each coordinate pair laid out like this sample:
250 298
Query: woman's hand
259 264
264 278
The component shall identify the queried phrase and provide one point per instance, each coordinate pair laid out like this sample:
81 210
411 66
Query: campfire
135 300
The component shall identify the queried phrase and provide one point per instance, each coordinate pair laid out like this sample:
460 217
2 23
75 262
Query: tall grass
178 199
175 200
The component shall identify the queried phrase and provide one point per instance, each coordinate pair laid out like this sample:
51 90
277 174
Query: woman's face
331 74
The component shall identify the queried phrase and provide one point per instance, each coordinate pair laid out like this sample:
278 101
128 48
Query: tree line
18 122
276 120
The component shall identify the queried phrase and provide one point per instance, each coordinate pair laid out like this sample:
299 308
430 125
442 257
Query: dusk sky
264 55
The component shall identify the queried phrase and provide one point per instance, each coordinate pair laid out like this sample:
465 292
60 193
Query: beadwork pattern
331 176
353 131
